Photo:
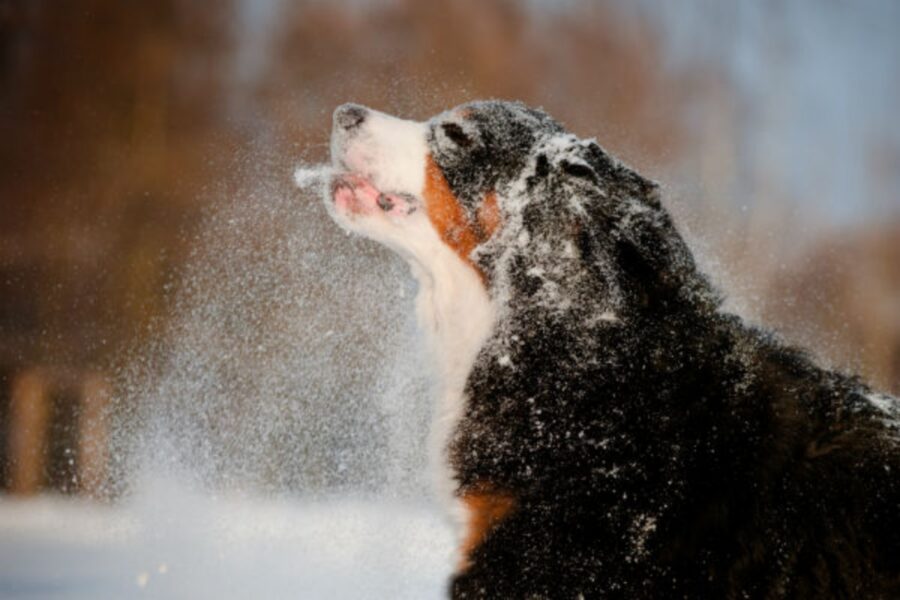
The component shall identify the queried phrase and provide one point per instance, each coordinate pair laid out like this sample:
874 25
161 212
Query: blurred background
126 128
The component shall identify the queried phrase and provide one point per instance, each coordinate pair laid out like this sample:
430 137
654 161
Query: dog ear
655 261
638 233
582 212
617 179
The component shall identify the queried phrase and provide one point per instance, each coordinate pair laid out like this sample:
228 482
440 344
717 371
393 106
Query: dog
604 428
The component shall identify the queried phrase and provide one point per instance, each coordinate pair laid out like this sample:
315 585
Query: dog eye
456 134
578 170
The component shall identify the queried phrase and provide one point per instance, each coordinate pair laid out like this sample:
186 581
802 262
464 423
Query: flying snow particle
142 579
309 176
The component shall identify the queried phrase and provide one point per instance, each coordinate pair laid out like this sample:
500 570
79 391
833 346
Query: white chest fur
456 315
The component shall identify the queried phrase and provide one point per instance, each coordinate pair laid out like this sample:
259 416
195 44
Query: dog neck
456 314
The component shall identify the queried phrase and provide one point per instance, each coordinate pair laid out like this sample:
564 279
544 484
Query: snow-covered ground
289 363
173 544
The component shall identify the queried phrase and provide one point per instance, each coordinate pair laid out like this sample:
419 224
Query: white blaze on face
380 167
382 191
390 152
379 192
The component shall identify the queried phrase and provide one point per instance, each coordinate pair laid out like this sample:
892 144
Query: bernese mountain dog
604 429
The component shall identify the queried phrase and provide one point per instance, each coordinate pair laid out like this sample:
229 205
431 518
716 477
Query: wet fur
609 431
654 446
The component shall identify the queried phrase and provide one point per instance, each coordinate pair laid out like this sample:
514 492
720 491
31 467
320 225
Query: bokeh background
125 126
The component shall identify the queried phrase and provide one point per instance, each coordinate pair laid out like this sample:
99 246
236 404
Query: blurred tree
112 109
842 299
594 68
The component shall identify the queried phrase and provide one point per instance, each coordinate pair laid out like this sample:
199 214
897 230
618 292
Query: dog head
549 221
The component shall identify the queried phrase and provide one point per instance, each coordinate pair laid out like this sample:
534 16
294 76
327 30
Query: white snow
886 404
289 370
889 407
168 542
306 176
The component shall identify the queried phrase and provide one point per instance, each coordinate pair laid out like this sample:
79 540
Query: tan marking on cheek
449 217
446 213
485 510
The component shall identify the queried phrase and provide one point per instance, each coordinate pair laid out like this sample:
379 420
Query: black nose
350 116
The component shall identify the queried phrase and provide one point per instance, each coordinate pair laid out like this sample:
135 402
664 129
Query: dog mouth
354 194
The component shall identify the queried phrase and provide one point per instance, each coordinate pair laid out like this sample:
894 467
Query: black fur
656 447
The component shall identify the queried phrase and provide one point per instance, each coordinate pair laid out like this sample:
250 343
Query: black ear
620 179
656 265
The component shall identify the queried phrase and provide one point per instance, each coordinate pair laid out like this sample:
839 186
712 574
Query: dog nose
349 116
